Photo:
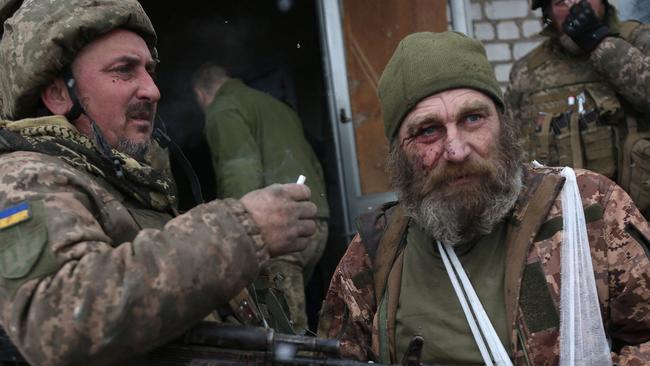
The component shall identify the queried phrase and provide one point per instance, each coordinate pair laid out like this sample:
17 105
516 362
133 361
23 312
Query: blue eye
473 118
428 131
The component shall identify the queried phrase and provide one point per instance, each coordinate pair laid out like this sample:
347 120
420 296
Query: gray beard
136 150
457 221
459 218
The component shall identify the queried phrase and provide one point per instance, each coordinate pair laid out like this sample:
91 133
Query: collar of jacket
55 135
227 86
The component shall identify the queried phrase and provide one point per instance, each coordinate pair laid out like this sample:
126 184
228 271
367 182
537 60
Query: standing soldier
96 267
256 140
581 97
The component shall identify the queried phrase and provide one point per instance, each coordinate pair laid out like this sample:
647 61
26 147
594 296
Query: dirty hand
584 27
284 215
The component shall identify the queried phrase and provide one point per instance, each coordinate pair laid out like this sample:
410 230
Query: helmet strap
70 84
77 109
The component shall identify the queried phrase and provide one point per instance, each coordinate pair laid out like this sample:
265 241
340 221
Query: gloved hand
584 27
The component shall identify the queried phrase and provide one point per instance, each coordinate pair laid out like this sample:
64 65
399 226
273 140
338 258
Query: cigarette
301 179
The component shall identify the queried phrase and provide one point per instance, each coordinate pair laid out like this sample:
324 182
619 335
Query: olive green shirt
428 305
256 140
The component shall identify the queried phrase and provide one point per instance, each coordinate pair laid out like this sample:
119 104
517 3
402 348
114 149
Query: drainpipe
461 16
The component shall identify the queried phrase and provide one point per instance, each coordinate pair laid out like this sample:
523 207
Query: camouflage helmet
42 38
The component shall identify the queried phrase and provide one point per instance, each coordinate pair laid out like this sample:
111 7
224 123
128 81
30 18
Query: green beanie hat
428 63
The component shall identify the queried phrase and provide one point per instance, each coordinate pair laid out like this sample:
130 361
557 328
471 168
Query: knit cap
428 63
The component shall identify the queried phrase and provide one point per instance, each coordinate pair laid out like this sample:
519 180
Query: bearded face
466 191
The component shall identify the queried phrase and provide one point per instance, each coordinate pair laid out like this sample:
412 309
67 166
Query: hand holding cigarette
284 214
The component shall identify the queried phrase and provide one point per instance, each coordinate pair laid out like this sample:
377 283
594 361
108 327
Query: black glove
584 27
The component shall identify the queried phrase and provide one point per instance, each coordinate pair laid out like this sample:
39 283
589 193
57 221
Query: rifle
210 344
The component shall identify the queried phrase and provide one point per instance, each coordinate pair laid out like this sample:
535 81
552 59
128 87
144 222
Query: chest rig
580 121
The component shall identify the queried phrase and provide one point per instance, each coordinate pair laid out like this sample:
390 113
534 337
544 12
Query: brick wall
508 29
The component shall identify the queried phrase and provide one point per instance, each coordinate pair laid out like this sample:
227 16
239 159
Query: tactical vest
580 121
383 232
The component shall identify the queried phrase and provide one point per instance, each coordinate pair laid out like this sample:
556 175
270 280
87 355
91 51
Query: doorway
272 46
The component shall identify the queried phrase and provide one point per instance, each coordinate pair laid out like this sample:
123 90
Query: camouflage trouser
293 272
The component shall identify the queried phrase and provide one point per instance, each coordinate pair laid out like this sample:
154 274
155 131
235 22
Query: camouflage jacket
613 84
618 236
91 276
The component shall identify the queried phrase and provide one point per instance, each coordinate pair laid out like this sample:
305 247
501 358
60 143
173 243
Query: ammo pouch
635 173
564 137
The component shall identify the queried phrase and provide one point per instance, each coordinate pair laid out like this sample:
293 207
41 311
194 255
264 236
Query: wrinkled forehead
449 103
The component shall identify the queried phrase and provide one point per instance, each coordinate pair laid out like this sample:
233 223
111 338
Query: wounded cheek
429 157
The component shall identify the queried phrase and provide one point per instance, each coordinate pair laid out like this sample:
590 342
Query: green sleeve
236 156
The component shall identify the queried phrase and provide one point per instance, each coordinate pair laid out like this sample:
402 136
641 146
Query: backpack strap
382 232
391 244
530 214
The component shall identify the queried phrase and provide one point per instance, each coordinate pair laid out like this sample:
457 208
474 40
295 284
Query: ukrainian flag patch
15 215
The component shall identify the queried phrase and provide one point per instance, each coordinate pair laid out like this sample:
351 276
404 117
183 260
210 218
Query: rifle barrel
254 338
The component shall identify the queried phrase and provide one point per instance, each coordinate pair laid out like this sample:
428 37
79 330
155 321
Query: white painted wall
634 9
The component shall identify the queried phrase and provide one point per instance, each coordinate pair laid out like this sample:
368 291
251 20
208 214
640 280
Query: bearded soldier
96 265
473 245
581 98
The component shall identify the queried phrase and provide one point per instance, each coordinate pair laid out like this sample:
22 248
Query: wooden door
372 30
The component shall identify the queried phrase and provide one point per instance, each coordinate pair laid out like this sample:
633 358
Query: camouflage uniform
614 78
99 270
95 266
618 236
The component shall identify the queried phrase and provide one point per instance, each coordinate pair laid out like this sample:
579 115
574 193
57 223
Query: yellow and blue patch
15 215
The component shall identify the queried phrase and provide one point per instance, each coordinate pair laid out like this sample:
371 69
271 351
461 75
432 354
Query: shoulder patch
15 215
22 243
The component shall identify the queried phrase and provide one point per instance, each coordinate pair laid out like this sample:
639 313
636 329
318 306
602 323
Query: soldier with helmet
96 264
582 96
